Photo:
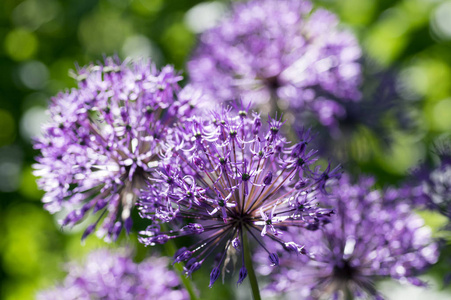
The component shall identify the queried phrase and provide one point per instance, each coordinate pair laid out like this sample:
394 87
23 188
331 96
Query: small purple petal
274 259
214 276
242 275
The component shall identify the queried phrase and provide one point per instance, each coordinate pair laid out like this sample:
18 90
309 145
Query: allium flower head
279 51
370 237
104 138
114 276
232 176
431 186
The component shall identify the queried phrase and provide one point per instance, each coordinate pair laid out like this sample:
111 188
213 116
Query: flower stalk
250 268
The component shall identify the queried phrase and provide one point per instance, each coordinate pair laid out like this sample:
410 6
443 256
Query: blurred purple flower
114 276
233 178
369 238
104 138
280 53
363 126
430 186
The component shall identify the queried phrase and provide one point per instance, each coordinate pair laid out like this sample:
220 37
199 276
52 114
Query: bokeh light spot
404 153
34 13
413 82
442 114
20 44
357 11
139 46
178 40
147 7
388 38
31 122
34 74
441 21
104 32
204 16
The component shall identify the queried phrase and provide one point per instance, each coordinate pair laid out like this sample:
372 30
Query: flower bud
214 276
242 276
268 178
274 259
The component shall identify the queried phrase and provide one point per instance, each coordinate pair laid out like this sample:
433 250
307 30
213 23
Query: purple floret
280 54
430 185
104 138
370 237
114 276
234 177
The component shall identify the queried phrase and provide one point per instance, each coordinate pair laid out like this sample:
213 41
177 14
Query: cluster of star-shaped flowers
113 275
103 139
371 236
231 177
280 52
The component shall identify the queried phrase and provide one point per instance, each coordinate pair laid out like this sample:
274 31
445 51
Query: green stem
171 248
250 268
347 293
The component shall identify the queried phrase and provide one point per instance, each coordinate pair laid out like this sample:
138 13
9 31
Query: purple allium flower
370 237
114 276
229 177
430 186
104 138
280 53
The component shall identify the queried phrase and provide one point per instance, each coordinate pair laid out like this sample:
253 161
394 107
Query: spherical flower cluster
280 52
103 140
230 178
370 237
114 276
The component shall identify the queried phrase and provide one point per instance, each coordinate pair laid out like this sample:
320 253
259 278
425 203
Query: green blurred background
40 40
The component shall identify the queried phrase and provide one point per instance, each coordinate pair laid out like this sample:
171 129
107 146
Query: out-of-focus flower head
104 138
370 237
114 276
362 126
282 54
430 186
230 177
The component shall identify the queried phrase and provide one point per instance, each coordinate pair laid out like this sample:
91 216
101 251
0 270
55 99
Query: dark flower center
149 110
273 83
245 177
344 270
300 161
